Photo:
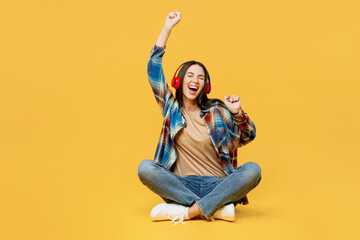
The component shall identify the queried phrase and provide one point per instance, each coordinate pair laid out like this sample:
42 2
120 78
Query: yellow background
78 114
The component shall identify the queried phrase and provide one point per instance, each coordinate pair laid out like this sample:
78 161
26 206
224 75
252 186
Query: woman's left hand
233 103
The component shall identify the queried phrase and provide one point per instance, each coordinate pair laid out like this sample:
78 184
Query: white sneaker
226 212
172 211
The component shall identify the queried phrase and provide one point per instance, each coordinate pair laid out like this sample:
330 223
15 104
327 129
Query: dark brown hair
202 100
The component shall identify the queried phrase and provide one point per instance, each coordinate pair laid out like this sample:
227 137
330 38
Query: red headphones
176 81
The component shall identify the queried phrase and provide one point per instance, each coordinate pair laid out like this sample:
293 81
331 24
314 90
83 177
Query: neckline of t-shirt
191 113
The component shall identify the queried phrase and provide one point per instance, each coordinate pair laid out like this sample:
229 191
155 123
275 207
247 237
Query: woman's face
194 79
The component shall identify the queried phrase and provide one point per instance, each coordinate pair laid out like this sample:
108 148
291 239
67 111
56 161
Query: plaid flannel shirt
227 131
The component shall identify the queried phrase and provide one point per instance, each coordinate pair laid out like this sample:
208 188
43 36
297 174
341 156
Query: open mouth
193 90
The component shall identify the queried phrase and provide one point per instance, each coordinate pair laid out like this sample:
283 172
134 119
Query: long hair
202 100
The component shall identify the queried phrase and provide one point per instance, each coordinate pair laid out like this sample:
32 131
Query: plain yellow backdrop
78 114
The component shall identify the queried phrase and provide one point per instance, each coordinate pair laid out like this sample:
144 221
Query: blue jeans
210 193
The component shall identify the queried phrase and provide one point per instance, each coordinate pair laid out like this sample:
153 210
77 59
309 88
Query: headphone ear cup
173 82
176 82
208 89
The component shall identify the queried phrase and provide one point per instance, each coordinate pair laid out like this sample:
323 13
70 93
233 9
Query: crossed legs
169 186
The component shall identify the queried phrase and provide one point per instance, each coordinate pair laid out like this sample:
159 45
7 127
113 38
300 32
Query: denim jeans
210 193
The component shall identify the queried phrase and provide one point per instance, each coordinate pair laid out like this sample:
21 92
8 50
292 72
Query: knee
254 170
145 169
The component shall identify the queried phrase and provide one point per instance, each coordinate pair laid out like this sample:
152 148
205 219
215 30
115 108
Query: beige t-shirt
196 153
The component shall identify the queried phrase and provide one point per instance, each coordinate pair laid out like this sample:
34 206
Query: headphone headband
178 69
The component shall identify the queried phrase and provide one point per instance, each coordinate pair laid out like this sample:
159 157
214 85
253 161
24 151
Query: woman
195 167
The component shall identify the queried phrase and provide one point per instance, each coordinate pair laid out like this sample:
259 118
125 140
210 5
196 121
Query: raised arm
247 127
163 94
241 128
171 20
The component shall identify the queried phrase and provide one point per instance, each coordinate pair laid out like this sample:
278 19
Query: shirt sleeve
240 128
163 94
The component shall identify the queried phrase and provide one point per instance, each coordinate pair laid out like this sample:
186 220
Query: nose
195 79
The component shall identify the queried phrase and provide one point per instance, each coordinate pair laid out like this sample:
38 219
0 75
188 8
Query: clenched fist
172 19
233 103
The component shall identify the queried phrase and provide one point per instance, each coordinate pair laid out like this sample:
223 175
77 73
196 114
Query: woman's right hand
172 19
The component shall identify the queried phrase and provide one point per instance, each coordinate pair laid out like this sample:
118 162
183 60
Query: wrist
167 28
237 112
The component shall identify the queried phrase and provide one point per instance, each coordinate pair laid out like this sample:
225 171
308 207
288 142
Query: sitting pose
195 165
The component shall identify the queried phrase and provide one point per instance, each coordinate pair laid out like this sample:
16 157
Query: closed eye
190 75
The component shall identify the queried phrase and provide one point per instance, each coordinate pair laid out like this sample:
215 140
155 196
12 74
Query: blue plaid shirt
227 131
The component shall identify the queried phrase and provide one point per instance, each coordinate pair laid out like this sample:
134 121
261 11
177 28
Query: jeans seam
202 210
215 186
194 185
207 185
178 177
207 215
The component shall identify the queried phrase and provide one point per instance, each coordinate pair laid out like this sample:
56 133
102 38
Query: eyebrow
199 75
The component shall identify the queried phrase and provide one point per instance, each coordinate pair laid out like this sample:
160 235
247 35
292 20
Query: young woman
195 166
